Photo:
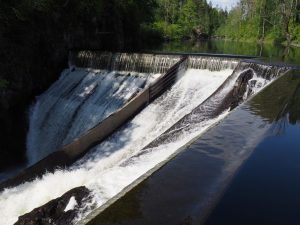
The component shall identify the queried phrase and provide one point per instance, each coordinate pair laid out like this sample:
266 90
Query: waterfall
83 97
201 98
148 63
75 103
212 63
231 93
143 63
104 162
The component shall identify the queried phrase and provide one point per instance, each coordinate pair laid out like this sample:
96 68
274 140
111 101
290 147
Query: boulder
59 211
240 88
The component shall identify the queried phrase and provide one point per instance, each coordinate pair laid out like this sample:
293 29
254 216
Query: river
263 126
272 52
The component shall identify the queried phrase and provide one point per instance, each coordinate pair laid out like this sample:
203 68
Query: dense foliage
192 19
264 20
73 20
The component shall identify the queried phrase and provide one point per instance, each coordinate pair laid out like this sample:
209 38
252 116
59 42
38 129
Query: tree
264 20
287 9
177 19
188 17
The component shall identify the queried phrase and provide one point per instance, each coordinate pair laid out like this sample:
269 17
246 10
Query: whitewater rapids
75 103
103 170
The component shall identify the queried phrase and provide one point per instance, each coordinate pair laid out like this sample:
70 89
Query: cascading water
148 63
78 101
225 98
93 170
144 63
82 98
193 104
212 63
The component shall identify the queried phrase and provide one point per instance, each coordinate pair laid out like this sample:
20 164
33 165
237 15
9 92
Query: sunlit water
96 170
75 103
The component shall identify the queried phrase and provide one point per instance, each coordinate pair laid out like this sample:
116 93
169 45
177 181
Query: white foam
75 103
103 170
71 205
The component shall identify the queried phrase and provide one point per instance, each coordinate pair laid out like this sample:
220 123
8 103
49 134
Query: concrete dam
113 119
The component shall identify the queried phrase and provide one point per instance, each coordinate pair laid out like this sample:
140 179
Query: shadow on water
263 191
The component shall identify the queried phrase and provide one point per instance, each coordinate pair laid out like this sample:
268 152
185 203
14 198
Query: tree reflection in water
284 109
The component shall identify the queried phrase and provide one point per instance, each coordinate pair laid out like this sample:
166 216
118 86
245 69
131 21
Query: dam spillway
125 155
74 104
82 98
201 181
148 62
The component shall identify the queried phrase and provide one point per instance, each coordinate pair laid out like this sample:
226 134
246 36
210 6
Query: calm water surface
272 52
266 189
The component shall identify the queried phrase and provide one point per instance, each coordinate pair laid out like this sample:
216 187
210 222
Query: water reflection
273 52
284 108
290 113
293 107
265 190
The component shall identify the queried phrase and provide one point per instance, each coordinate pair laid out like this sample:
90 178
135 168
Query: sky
224 3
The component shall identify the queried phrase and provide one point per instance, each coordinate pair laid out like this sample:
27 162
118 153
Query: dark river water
266 188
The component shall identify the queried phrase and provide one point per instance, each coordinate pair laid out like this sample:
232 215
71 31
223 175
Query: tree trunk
287 34
286 11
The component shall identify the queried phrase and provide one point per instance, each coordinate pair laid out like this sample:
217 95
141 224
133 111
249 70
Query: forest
250 20
264 21
187 19
133 24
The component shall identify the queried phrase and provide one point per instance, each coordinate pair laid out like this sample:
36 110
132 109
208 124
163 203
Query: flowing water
75 103
189 186
82 98
96 169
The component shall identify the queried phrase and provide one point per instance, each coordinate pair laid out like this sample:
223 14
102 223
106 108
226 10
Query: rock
236 95
240 88
54 212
